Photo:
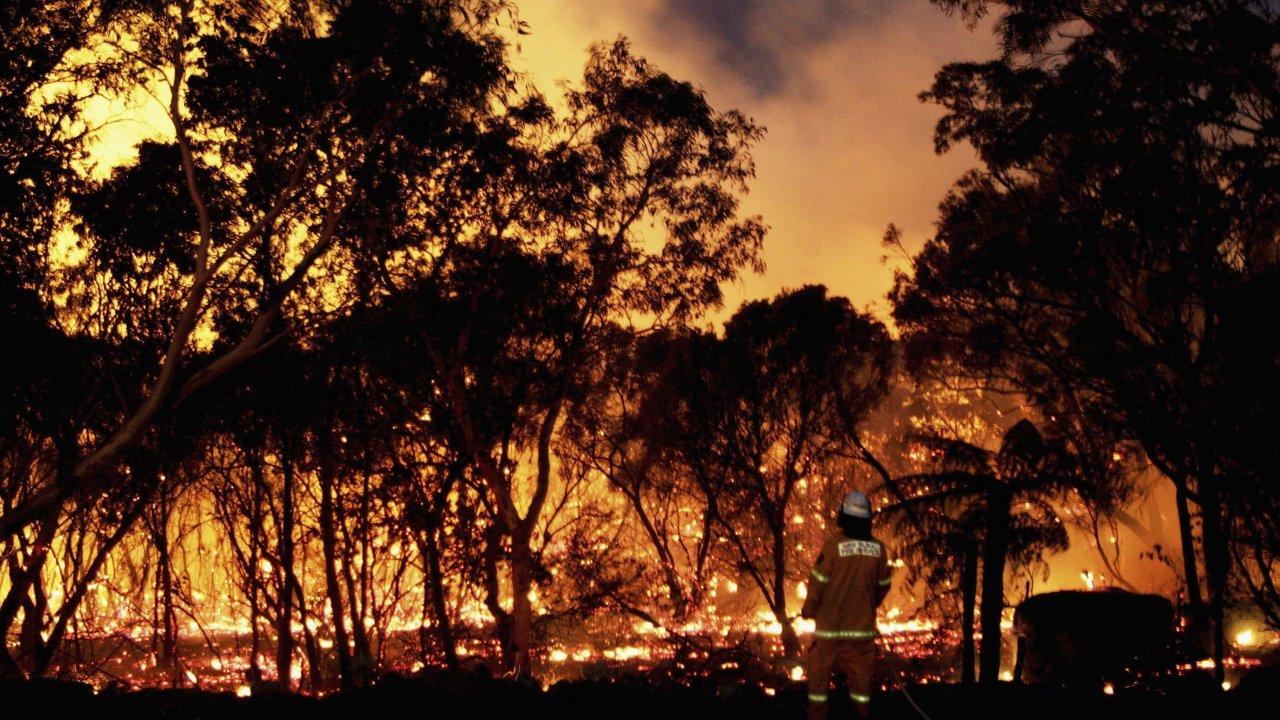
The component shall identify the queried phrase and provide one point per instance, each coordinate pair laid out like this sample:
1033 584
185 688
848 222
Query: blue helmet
856 505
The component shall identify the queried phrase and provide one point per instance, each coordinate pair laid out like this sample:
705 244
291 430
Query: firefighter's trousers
855 658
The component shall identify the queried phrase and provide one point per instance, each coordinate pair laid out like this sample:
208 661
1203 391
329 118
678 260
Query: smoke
849 147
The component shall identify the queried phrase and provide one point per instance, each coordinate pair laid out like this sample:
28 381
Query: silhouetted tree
767 409
980 508
342 182
300 111
1106 259
637 148
628 429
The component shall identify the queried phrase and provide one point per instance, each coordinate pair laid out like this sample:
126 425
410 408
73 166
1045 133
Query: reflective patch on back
849 548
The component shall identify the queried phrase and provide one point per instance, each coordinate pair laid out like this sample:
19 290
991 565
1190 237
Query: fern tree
981 509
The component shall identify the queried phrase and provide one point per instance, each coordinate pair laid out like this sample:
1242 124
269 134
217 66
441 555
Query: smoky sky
758 39
849 146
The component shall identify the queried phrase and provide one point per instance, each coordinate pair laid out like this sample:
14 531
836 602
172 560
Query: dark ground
472 696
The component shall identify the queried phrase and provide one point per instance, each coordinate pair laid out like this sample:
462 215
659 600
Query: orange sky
849 147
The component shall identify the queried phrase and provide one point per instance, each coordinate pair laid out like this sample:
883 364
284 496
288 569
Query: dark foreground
473 696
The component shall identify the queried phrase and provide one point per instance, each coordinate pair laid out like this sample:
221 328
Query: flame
223 621
627 652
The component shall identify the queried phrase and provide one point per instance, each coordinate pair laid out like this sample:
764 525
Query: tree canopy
1108 256
336 181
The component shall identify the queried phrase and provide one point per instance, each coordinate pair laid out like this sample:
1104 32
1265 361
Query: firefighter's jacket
848 582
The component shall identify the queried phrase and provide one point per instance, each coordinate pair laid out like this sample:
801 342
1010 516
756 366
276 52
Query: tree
627 208
767 409
281 122
628 430
332 162
40 156
1105 259
985 509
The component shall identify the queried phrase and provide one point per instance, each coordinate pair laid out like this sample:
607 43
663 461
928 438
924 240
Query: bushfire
267 570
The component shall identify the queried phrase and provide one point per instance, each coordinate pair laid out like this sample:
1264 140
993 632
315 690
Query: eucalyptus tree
281 118
1107 258
624 207
768 407
46 371
628 429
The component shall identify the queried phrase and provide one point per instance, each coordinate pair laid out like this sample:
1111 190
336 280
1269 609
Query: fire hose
902 685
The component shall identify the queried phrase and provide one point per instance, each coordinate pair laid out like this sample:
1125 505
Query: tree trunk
310 646
1191 572
1216 563
995 548
253 581
969 601
435 595
493 595
165 623
284 623
362 659
680 605
521 605
21 579
329 547
790 643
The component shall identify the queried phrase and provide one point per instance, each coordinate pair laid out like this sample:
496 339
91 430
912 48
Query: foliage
767 410
977 505
1106 258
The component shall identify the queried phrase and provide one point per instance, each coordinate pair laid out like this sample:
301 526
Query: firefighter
848 583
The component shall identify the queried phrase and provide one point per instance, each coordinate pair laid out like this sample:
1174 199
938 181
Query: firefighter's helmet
856 505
